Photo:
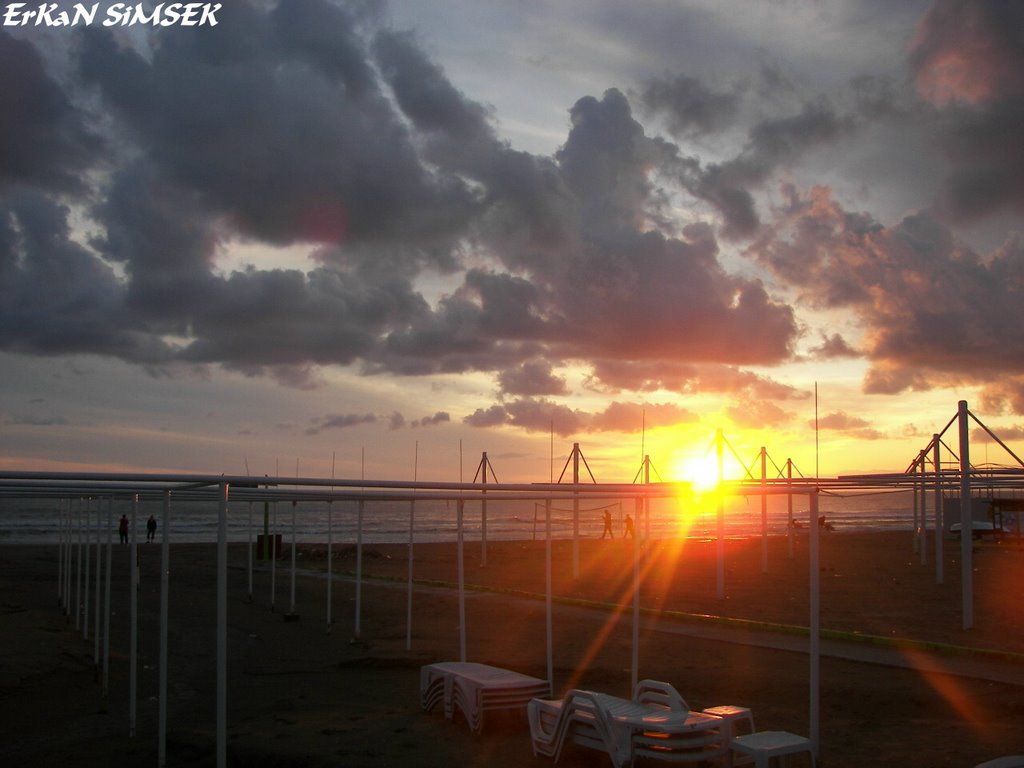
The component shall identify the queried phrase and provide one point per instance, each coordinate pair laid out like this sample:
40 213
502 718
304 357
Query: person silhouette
628 526
150 529
122 529
607 525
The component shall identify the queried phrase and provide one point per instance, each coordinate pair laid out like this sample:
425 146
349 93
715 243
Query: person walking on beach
150 529
122 529
607 525
628 526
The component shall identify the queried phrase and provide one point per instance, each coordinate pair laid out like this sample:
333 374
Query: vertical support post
67 563
408 600
966 528
923 486
940 526
576 511
815 625
99 581
462 582
330 563
789 510
133 600
222 628
272 539
548 620
483 512
78 577
291 605
720 544
359 568
106 598
88 574
635 656
165 576
60 551
764 510
248 565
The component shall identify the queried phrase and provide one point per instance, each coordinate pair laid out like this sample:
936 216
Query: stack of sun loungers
474 689
655 724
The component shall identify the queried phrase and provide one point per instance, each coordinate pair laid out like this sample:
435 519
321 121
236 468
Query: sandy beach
300 695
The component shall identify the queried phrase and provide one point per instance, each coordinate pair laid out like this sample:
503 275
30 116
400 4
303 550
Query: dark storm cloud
309 122
43 139
690 107
771 144
541 415
968 61
340 421
933 310
532 378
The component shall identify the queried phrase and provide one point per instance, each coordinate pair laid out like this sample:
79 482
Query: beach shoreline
299 694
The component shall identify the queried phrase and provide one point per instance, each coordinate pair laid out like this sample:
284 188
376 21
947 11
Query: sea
40 521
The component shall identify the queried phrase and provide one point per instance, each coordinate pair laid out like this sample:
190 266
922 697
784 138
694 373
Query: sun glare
699 470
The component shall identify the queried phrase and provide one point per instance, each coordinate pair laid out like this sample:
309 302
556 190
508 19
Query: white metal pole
720 547
966 527
815 626
60 552
249 553
273 561
78 577
789 510
764 510
69 553
924 509
99 580
106 598
939 514
133 602
483 512
576 512
88 574
549 637
635 657
165 575
408 596
462 585
359 568
222 628
291 609
330 562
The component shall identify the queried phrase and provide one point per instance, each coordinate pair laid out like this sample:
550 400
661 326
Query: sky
378 239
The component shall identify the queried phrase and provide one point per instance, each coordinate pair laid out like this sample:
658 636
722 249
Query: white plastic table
764 745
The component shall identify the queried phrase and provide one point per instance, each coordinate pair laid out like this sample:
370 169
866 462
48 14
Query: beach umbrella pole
165 574
547 596
249 562
815 625
408 602
222 627
966 532
635 660
99 580
462 583
78 576
106 599
133 602
88 574
359 568
330 563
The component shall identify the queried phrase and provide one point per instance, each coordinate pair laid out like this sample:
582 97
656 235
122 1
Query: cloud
840 421
532 378
967 60
690 107
541 415
340 421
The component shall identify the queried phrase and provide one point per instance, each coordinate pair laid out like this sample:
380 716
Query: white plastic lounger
474 689
1010 761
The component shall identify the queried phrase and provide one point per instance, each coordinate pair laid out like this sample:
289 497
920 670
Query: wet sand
300 695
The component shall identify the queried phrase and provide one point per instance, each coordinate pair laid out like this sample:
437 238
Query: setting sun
700 470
